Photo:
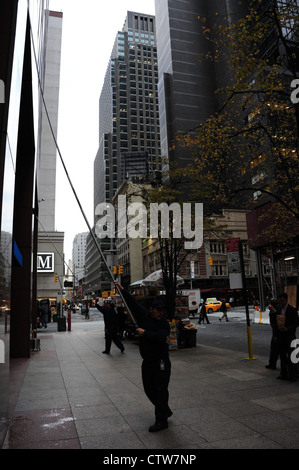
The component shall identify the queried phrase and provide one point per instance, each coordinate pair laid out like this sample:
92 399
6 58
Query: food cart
186 331
182 331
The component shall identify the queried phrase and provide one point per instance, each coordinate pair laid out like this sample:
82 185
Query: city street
231 335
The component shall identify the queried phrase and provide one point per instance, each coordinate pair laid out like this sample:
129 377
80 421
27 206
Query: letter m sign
45 262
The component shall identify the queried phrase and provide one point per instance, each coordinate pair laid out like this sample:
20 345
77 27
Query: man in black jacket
111 326
153 330
286 333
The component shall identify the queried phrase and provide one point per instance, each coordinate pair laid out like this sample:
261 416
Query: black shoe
270 367
158 426
123 351
105 352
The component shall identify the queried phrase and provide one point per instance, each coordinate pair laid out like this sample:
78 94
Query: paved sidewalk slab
71 396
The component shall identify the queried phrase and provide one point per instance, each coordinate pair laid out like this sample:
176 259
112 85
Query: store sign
45 262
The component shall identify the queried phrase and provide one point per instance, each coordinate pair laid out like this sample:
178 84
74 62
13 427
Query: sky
89 32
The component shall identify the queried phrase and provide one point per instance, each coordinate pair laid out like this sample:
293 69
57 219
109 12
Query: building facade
78 257
129 109
187 84
23 32
50 242
129 131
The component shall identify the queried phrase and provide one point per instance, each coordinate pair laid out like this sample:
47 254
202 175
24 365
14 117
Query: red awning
216 289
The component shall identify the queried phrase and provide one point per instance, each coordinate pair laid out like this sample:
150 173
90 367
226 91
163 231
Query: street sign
234 264
192 270
233 261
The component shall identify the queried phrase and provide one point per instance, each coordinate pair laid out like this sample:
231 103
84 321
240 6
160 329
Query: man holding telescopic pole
153 330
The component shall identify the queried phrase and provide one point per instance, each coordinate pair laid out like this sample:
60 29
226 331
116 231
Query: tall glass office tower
129 111
129 131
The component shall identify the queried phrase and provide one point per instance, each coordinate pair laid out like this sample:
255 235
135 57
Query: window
217 247
219 268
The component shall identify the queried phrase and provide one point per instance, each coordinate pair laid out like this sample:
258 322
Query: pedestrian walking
223 309
87 312
153 330
287 323
44 316
274 309
203 313
111 326
121 321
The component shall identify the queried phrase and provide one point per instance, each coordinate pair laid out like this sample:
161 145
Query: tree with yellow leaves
247 153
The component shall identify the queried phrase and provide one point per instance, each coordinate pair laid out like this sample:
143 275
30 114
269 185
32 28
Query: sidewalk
71 396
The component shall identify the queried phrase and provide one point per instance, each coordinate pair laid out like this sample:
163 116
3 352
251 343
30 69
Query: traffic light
114 269
55 278
120 269
211 261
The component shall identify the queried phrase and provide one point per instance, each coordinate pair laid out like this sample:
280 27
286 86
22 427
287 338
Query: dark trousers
155 383
274 352
112 336
203 317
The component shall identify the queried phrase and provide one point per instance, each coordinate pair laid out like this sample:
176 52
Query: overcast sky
89 31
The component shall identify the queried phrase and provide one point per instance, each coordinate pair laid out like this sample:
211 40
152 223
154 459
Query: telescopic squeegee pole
71 184
95 240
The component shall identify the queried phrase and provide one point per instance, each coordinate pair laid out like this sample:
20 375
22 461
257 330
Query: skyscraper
187 85
129 109
23 33
129 131
50 242
78 256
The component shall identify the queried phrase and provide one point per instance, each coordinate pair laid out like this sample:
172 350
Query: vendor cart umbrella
155 279
137 283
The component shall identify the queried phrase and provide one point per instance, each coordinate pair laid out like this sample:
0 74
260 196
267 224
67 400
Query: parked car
214 305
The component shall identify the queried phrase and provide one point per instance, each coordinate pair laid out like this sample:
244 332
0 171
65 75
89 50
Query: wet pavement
69 395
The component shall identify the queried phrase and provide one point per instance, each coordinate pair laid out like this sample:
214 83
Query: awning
155 279
215 289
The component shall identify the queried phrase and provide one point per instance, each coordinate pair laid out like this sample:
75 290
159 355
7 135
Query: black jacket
291 323
153 346
110 318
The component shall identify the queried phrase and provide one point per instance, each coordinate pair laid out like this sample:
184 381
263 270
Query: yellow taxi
214 305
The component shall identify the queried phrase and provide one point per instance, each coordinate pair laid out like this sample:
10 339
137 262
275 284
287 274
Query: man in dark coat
286 333
111 326
274 310
203 314
153 330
